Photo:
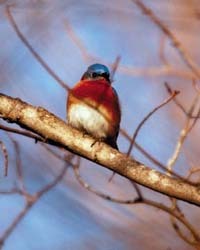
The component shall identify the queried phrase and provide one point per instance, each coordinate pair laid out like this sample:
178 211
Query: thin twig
138 190
176 101
128 70
114 68
139 200
22 132
86 55
33 52
183 135
12 191
196 87
29 134
147 117
96 192
176 215
58 156
171 162
195 236
5 155
170 91
14 223
53 183
77 41
177 44
150 157
162 50
193 171
178 230
142 150
30 201
20 177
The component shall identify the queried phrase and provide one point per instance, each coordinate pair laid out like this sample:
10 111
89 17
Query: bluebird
93 105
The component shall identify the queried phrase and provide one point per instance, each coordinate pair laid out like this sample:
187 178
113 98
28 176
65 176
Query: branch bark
56 131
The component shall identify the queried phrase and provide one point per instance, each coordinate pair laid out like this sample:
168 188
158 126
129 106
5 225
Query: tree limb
55 130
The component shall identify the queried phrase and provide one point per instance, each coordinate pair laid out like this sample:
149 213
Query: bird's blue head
96 71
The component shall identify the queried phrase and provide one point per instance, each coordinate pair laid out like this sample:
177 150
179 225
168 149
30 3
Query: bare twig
192 241
14 223
143 151
193 171
171 162
196 87
132 142
98 193
53 183
183 135
20 177
33 52
128 70
177 44
141 200
176 101
147 117
164 70
176 214
84 52
5 155
194 238
170 91
29 134
58 156
149 156
10 192
22 132
114 68
162 50
30 200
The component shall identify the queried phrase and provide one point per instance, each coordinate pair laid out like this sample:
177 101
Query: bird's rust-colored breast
100 95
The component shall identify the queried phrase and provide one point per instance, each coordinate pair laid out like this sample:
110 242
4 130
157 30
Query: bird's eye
94 74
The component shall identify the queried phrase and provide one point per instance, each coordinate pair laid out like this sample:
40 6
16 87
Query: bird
93 105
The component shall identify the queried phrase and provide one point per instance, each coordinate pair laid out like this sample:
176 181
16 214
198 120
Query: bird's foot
97 141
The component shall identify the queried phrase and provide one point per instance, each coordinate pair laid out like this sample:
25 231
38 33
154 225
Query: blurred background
69 36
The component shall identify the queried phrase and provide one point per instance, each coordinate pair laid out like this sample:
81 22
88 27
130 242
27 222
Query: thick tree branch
53 129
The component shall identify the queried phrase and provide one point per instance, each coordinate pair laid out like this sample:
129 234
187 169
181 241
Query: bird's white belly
86 118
